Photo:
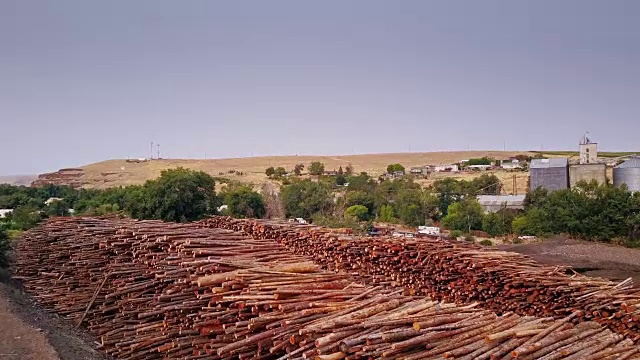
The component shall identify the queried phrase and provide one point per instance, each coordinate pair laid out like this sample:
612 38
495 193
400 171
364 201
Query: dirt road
590 258
30 333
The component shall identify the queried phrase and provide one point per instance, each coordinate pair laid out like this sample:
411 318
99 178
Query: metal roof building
551 174
628 173
493 203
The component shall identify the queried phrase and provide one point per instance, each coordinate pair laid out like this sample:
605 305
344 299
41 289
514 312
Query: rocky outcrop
69 177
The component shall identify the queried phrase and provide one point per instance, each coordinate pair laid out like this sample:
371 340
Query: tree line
589 211
177 195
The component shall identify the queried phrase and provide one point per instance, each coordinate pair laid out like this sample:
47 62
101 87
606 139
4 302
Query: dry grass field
120 172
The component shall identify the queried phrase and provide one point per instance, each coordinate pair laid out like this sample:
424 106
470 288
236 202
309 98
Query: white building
446 168
429 230
494 203
5 212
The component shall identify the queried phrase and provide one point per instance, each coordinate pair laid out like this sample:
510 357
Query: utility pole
151 150
158 151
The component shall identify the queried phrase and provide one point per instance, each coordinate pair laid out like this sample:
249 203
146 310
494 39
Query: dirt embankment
30 333
590 258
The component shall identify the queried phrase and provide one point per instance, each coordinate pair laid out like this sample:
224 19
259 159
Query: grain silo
628 173
588 173
550 174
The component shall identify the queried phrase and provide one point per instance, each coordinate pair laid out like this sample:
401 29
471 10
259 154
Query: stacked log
457 272
152 290
130 282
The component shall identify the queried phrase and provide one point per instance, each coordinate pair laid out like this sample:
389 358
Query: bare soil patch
29 332
589 258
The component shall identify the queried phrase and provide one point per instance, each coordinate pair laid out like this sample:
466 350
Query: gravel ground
592 259
29 332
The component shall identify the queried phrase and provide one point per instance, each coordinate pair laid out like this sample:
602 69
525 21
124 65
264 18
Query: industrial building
494 203
550 174
628 173
588 151
587 173
589 168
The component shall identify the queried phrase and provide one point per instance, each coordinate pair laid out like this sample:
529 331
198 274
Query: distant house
511 164
446 168
480 167
330 173
420 170
493 203
5 212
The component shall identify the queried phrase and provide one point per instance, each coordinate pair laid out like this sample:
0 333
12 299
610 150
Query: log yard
319 180
225 288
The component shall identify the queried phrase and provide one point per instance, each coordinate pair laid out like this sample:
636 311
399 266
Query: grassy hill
120 172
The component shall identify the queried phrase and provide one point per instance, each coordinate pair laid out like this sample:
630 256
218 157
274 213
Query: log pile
153 290
457 272
130 282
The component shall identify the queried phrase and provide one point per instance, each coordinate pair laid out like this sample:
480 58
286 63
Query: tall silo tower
588 151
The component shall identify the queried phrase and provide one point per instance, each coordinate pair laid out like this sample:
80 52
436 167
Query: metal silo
550 174
628 173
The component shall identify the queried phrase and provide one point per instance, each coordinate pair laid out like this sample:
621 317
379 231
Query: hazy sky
83 81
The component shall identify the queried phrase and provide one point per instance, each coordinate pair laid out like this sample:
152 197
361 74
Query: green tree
395 168
178 195
270 171
360 197
340 180
243 202
26 217
534 222
58 208
362 182
415 206
448 191
536 198
348 170
359 212
480 161
305 198
5 246
280 172
498 223
466 215
387 214
486 184
316 168
298 169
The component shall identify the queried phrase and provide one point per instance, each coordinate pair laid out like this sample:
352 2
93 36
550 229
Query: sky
83 81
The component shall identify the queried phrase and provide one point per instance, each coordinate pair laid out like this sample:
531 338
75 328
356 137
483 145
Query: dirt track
28 332
592 259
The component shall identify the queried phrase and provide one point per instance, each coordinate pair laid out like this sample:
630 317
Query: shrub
455 234
486 242
358 212
470 238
